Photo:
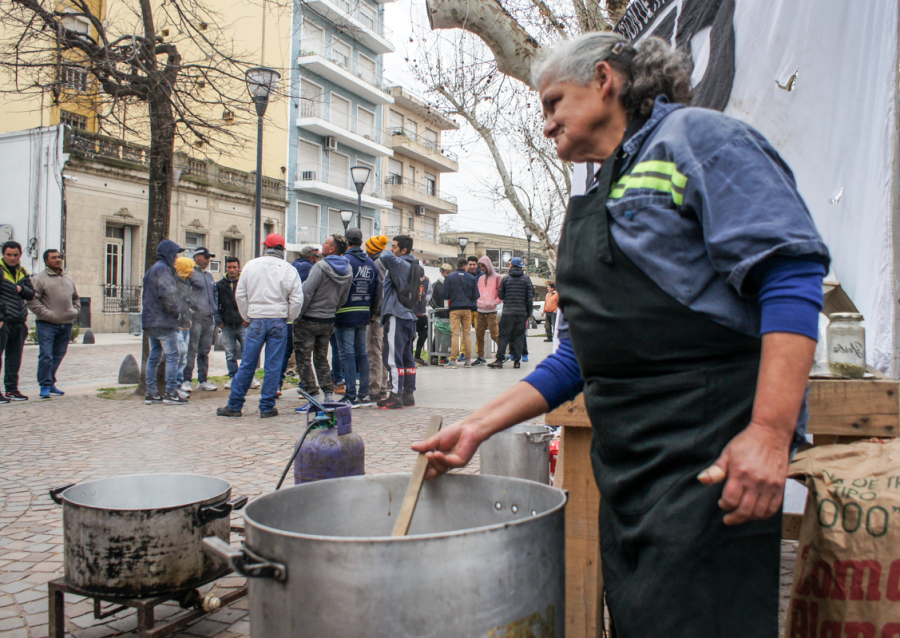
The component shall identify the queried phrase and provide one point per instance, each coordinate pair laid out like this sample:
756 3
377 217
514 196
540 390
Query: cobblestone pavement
80 437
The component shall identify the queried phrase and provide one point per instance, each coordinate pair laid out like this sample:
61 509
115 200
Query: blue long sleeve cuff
558 377
790 295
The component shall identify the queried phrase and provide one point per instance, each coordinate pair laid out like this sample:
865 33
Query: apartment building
338 96
413 175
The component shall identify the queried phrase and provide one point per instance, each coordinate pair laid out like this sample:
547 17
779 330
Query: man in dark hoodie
161 319
399 324
324 291
352 320
461 293
517 293
15 289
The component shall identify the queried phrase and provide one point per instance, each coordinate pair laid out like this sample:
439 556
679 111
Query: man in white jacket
270 296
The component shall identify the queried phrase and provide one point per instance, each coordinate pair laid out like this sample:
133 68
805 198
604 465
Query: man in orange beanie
378 381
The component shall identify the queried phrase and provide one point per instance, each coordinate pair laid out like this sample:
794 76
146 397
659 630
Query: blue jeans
271 333
352 342
184 344
162 339
337 369
230 338
53 342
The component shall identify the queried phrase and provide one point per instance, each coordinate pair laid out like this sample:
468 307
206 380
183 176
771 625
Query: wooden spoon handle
408 508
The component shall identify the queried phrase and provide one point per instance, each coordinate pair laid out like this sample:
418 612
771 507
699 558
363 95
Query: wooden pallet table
840 410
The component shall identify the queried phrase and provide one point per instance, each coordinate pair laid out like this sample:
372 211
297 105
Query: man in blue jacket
351 320
399 322
161 320
461 293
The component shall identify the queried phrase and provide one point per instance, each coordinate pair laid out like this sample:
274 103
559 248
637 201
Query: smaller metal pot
522 451
142 535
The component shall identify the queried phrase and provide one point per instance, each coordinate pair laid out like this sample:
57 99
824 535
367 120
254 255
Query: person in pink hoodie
488 285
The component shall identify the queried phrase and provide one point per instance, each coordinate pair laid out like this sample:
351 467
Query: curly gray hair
649 68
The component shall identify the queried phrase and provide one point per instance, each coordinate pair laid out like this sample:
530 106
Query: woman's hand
450 448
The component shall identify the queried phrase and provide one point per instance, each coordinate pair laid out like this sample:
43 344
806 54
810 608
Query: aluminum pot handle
538 437
56 491
212 512
243 561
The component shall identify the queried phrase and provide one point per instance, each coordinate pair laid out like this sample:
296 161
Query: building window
192 241
268 229
73 119
231 248
75 78
115 258
119 294
78 24
430 184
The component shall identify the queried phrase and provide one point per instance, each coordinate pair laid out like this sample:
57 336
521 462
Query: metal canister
522 451
846 339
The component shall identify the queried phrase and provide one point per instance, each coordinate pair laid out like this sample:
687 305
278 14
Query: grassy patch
117 394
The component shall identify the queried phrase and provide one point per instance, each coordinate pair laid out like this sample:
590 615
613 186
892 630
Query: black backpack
410 294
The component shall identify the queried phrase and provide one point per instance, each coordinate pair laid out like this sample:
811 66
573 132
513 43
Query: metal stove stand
192 601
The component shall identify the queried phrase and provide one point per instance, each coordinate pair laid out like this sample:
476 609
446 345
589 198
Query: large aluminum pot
522 451
485 556
142 535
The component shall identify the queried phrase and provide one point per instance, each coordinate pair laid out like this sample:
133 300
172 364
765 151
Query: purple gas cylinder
330 452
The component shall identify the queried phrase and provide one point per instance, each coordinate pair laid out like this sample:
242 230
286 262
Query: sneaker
56 391
525 358
462 358
277 394
3 399
45 392
150 399
451 365
548 340
226 411
364 401
186 387
208 386
517 364
269 415
496 365
340 388
228 384
467 364
409 400
184 395
174 399
255 384
15 395
393 402
353 403
421 362
479 361
329 397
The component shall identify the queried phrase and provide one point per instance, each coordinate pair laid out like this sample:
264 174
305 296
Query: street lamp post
346 217
463 242
261 83
528 236
360 175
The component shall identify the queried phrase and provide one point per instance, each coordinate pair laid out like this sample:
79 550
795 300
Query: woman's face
587 122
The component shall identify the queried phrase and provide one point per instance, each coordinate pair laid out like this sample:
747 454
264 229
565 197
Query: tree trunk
162 158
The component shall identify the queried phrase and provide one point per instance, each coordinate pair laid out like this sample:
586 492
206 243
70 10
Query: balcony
327 120
426 151
410 192
364 28
428 244
323 59
332 182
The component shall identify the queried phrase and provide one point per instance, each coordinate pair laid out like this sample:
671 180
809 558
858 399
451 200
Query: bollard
88 337
129 371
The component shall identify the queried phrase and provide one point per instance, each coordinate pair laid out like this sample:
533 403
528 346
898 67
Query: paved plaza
80 437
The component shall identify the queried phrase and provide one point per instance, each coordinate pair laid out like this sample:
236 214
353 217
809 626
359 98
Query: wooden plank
851 407
584 578
572 413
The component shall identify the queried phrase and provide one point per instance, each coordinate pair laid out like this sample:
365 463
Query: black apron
666 389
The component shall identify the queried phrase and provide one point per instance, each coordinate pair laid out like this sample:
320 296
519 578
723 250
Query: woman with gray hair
690 276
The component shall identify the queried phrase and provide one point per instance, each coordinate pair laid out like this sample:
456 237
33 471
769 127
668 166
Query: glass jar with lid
846 339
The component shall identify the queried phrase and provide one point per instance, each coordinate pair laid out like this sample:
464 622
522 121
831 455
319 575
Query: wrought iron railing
421 234
429 144
309 172
338 117
369 22
318 46
121 298
396 180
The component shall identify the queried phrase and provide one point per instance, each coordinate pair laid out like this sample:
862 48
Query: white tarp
819 79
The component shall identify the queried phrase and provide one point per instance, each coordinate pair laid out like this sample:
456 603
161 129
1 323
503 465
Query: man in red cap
269 295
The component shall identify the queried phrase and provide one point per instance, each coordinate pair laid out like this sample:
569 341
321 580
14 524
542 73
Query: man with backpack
401 294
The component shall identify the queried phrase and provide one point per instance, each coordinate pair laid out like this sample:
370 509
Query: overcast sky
477 172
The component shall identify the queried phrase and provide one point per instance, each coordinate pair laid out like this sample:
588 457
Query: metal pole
359 208
259 146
